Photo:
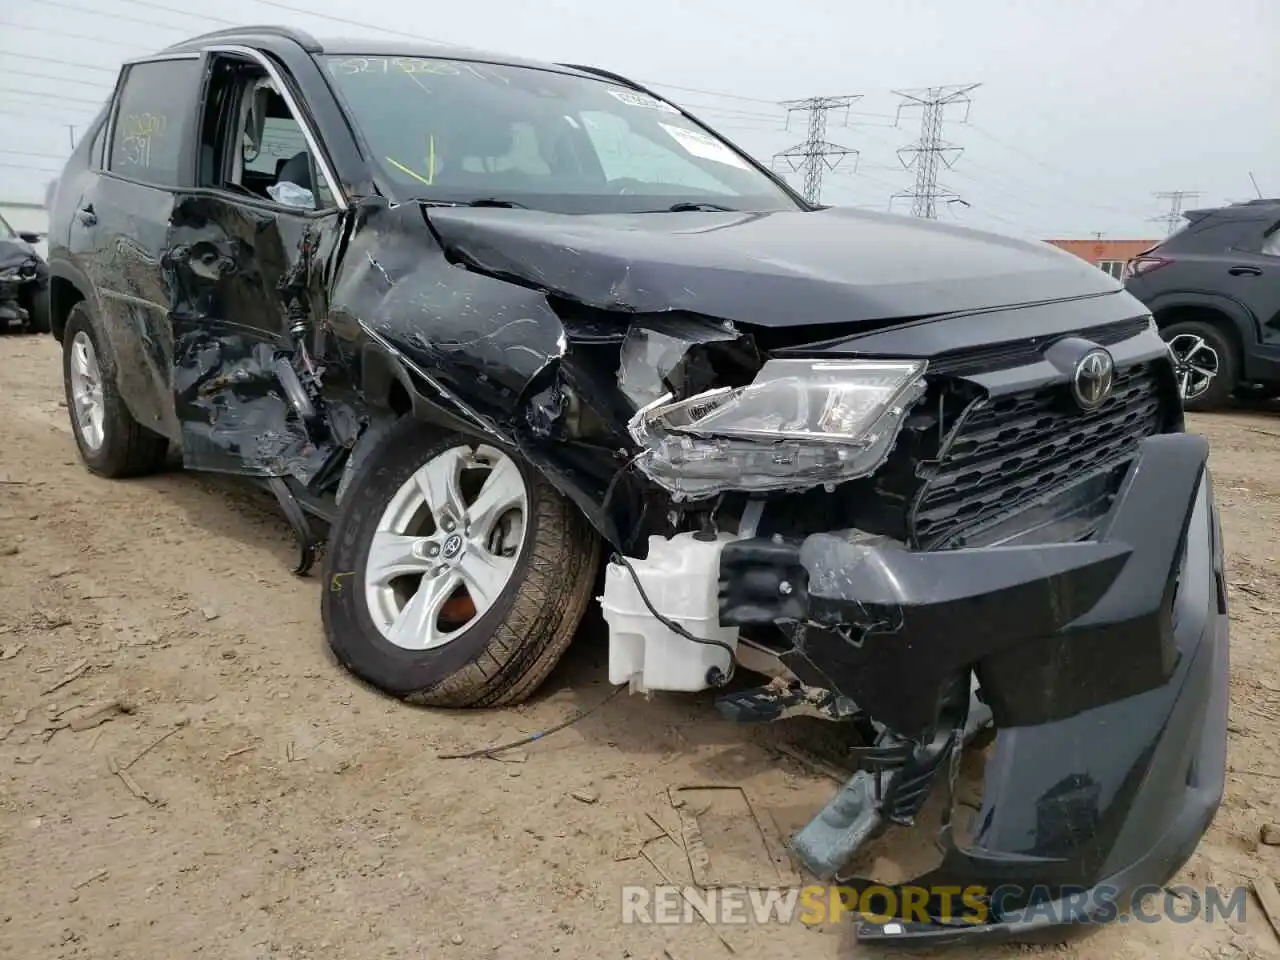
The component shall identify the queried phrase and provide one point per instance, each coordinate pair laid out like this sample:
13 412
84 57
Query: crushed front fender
1105 665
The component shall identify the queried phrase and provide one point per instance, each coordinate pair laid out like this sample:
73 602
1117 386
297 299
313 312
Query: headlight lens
799 424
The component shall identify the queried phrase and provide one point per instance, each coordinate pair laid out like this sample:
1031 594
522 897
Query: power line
32 153
351 23
71 36
778 118
1066 174
110 16
64 63
930 152
51 96
710 93
1176 199
26 166
186 13
45 114
815 154
737 96
99 84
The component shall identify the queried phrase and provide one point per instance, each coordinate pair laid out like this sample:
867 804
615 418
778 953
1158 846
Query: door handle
1245 271
86 215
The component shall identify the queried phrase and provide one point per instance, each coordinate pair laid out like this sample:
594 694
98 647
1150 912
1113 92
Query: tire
1220 346
38 311
123 447
504 652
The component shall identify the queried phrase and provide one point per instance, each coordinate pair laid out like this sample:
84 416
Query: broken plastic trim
799 424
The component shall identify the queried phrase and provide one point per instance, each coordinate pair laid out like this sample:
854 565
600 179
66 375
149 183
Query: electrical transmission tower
816 155
928 154
1176 199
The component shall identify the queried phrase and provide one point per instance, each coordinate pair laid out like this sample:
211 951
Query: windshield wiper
493 202
482 202
689 206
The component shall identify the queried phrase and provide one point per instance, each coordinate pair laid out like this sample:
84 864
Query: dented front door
245 275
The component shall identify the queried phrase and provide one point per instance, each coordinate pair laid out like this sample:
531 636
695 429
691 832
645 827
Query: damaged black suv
483 317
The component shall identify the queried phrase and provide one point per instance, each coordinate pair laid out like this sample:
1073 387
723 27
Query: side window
1271 241
625 154
253 145
95 148
146 140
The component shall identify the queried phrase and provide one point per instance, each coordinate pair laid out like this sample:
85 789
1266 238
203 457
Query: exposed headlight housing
799 424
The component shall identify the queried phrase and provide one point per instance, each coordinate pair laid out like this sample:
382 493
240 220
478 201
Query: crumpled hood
16 253
771 269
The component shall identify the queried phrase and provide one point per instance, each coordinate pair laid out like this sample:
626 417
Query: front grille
1011 452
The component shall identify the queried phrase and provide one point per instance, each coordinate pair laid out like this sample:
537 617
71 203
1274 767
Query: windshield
6 231
460 131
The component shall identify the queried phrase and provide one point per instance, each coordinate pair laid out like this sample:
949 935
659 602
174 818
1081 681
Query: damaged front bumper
1104 665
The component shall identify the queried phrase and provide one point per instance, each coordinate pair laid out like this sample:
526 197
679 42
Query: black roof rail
607 74
300 37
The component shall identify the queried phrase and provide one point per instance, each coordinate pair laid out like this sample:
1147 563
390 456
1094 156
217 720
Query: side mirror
30 236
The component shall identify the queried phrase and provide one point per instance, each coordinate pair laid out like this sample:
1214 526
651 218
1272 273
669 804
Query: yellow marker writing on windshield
403 169
431 159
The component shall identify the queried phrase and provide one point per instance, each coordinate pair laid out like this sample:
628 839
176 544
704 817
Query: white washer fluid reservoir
679 576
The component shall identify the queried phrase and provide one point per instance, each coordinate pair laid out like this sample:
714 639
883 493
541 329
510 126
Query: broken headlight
799 424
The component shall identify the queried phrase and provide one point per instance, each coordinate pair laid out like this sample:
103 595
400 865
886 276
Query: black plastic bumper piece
1104 663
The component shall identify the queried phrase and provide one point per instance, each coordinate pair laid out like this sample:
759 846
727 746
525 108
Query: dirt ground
291 812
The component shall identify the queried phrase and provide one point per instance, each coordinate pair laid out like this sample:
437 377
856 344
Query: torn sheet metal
245 288
495 358
777 269
235 418
476 342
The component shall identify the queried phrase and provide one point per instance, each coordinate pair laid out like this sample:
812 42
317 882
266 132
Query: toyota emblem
1092 380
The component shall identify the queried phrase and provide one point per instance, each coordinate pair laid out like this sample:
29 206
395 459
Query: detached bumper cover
1104 663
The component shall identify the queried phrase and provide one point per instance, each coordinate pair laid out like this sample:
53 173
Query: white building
27 216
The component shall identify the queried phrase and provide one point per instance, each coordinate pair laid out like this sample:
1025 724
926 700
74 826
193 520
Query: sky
1085 109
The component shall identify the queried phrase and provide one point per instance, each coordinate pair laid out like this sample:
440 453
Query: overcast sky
1085 110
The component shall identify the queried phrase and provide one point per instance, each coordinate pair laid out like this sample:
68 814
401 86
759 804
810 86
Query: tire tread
563 553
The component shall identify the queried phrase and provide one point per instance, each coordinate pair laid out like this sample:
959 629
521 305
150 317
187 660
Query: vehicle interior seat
297 169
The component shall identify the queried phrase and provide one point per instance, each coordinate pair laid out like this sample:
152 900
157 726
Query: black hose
674 627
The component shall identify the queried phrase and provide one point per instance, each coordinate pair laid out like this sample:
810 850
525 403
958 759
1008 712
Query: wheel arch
389 385
1228 316
67 287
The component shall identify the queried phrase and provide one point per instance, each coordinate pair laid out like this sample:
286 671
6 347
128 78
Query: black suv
481 316
1214 288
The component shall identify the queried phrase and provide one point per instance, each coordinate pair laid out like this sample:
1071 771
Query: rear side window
1271 241
1214 235
155 101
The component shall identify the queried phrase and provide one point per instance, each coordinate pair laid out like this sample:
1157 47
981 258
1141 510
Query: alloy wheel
88 405
446 546
1195 363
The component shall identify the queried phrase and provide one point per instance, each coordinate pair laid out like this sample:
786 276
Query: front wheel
1205 364
455 575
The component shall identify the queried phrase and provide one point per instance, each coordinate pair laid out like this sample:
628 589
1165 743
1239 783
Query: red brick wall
1097 250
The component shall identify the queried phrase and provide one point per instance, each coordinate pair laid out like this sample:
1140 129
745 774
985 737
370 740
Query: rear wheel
455 575
111 442
1205 363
